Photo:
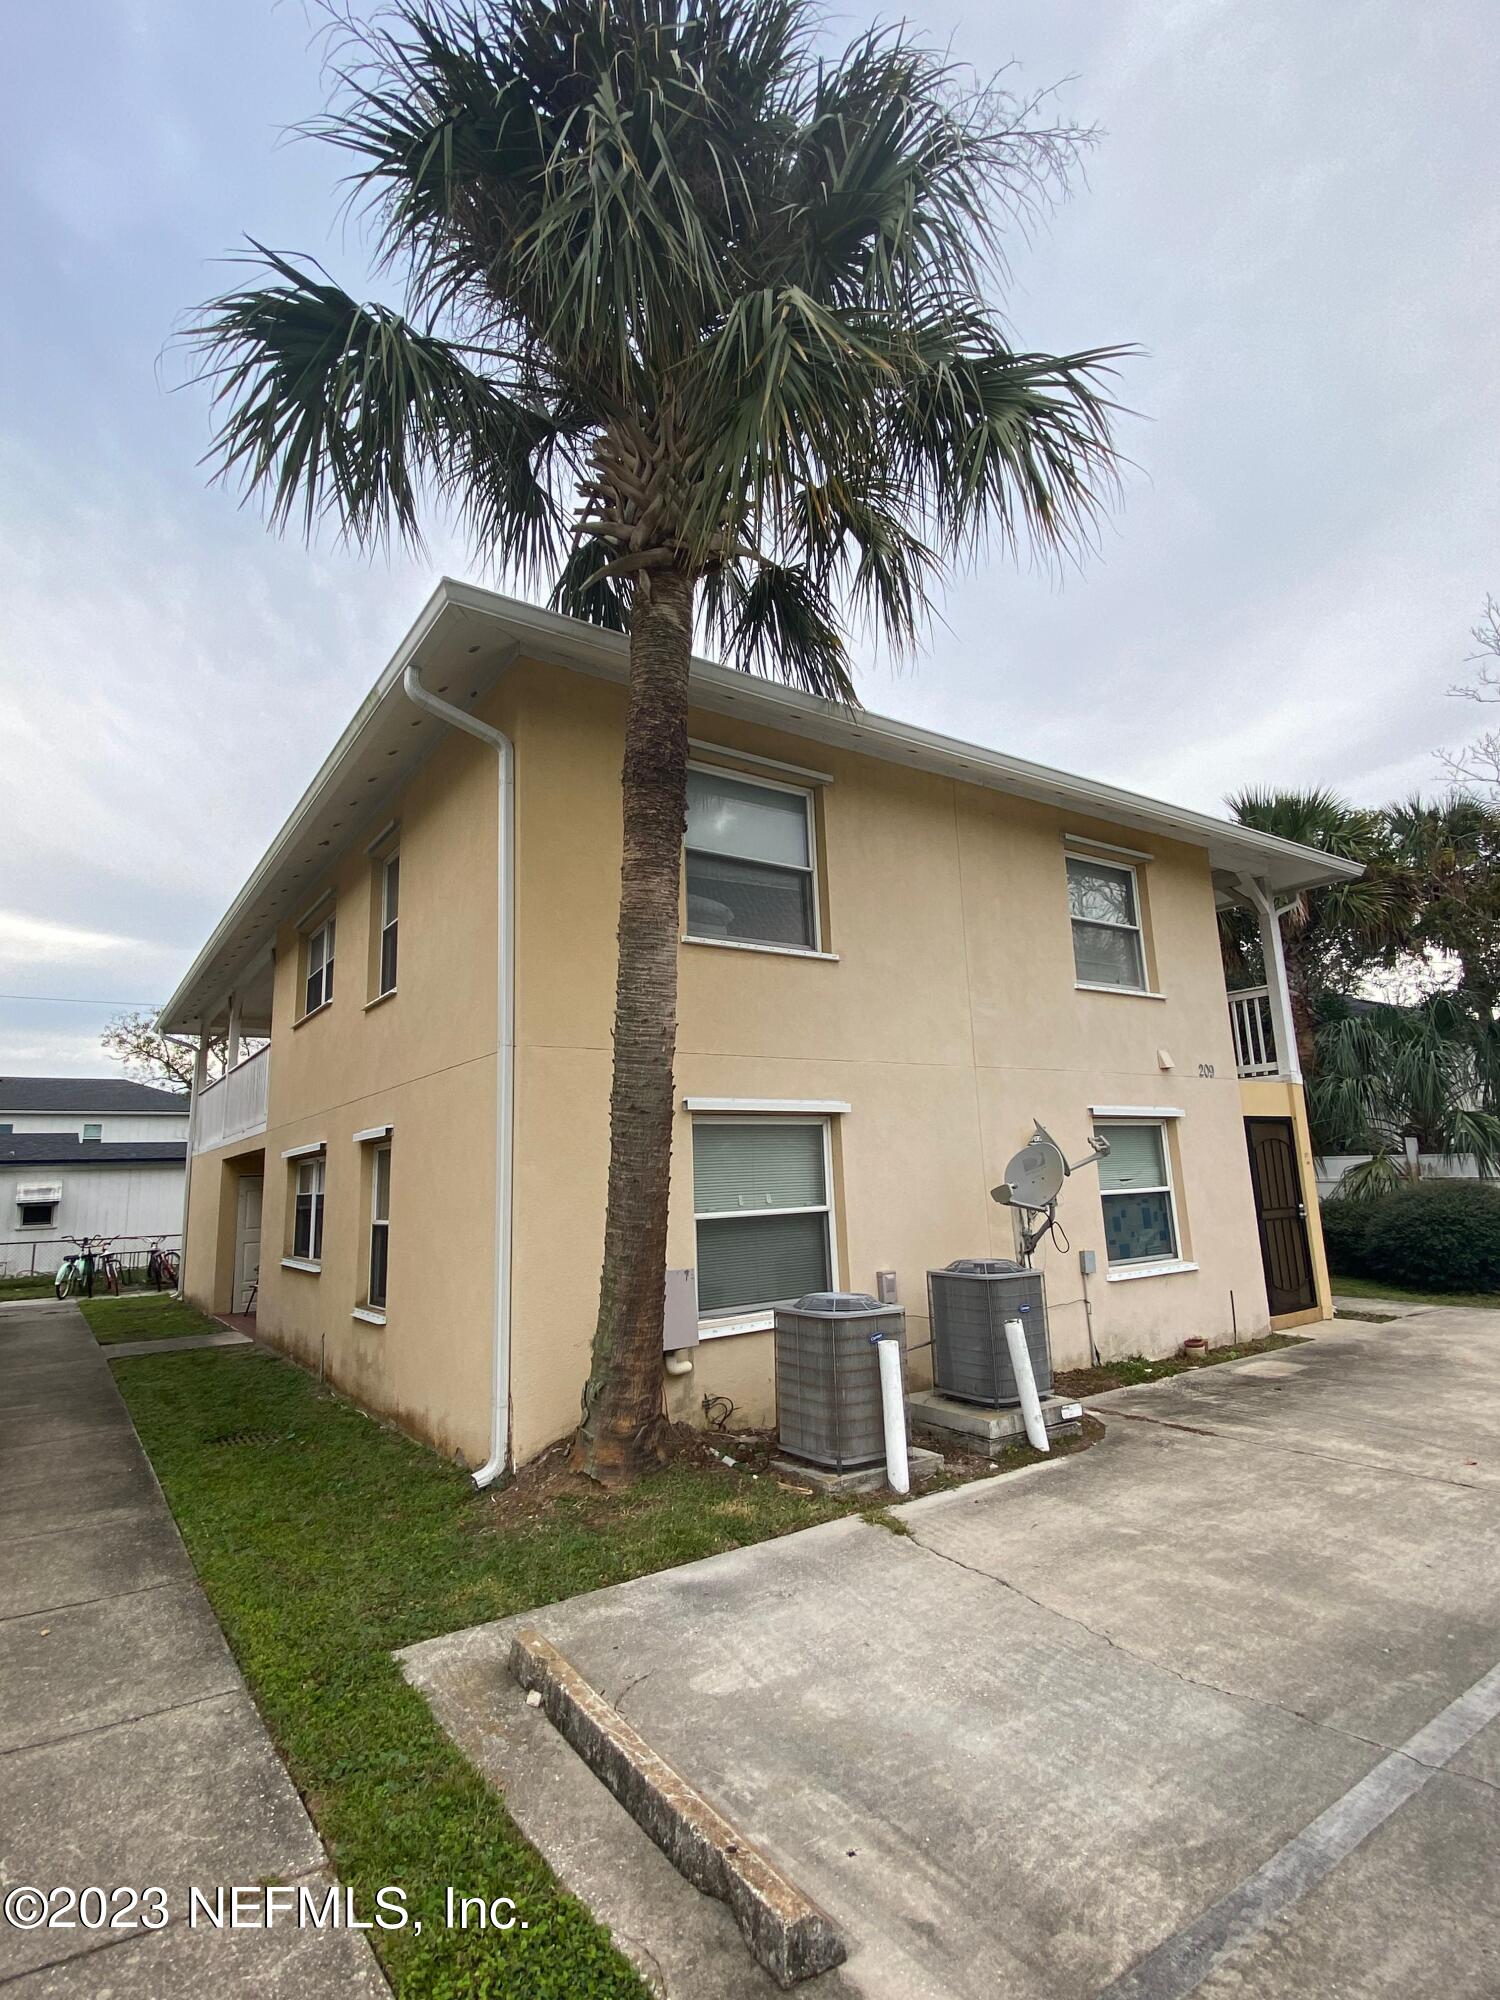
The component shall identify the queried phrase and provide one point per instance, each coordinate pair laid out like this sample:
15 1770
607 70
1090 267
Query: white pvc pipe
893 1408
505 1055
1031 1402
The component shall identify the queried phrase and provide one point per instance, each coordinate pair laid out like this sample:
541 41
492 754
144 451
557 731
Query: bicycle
76 1271
109 1267
161 1269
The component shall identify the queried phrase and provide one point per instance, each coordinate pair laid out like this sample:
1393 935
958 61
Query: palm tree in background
1332 934
696 328
1428 1073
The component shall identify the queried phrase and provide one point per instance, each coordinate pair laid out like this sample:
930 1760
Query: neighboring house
92 1107
87 1156
898 950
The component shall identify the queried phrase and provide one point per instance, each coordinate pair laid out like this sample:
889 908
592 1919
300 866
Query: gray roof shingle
66 1149
86 1096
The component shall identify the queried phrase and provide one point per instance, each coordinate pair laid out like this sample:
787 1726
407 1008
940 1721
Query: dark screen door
1281 1214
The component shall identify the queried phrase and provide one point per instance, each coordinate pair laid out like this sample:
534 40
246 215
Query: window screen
749 862
1136 1189
760 1194
1106 925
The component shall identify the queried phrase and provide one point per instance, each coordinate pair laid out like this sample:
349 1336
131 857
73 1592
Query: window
1106 924
750 862
93 1131
318 959
389 874
380 1224
1140 1213
37 1214
760 1195
307 1210
6 1131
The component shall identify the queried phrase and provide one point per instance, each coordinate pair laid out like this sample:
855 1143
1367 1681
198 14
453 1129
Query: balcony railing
235 1106
1254 1038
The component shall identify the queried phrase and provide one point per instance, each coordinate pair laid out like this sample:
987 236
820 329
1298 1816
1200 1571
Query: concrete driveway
1209 1709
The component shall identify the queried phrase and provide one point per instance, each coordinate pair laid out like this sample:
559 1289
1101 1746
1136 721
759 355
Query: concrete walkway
130 1750
1210 1709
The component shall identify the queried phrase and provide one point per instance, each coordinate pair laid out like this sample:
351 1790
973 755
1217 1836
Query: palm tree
1331 935
696 328
1450 849
1387 1074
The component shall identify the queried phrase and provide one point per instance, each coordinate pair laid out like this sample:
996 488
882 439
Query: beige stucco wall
421 1061
948 1021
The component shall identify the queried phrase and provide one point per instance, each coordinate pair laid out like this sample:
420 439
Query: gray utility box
828 1407
970 1301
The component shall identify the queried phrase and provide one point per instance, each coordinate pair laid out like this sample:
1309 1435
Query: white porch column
232 1046
200 1077
1288 1064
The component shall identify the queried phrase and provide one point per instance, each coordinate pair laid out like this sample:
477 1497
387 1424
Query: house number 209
1205 1069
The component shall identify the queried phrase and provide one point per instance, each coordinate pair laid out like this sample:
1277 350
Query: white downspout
200 1073
505 1055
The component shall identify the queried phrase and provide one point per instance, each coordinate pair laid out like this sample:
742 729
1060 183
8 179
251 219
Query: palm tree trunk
622 1397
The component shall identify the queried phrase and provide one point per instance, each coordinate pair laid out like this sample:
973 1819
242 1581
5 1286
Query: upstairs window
1135 1180
389 874
307 1210
1105 908
318 968
750 875
760 1195
93 1131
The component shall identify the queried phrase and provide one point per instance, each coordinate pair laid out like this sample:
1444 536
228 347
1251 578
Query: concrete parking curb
786 1931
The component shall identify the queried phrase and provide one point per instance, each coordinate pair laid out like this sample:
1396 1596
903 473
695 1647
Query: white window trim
756 1319
729 755
380 1140
803 792
373 1135
1120 1274
1138 929
318 1159
1136 1114
754 944
51 1207
1120 992
301 1152
313 1264
1145 1267
387 921
381 998
1083 840
371 1315
796 1107
310 933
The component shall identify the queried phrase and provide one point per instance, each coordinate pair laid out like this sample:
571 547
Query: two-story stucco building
898 951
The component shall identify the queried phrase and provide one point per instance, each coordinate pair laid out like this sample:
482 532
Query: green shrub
1345 1226
1440 1236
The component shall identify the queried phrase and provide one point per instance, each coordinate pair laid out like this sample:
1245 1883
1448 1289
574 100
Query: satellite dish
1034 1177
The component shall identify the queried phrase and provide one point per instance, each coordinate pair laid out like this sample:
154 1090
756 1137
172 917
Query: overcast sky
1292 211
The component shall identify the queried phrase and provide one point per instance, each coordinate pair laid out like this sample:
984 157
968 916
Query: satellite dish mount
1034 1180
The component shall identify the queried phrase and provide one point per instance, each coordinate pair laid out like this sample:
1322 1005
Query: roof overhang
464 640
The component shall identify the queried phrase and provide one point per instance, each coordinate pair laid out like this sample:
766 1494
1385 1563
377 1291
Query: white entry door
246 1240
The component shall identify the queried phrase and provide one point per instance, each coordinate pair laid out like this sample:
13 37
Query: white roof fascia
555 639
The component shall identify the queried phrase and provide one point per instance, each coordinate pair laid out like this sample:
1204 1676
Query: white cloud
34 941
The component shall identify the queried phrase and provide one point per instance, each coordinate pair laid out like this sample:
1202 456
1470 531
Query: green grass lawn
146 1316
325 1540
1135 1368
38 1287
1377 1288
